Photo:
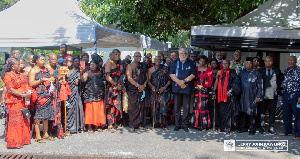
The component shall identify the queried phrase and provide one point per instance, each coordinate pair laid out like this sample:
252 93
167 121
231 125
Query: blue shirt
291 82
182 71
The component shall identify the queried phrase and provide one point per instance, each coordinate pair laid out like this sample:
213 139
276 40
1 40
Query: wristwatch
184 81
41 79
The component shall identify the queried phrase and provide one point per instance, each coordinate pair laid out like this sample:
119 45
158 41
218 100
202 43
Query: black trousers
245 119
181 101
269 104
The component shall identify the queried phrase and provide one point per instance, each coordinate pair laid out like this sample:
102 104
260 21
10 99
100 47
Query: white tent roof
273 22
47 23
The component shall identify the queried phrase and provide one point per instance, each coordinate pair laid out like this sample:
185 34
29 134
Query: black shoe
186 129
262 130
176 128
251 133
242 130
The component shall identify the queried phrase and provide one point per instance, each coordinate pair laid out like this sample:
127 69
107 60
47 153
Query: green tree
6 4
164 19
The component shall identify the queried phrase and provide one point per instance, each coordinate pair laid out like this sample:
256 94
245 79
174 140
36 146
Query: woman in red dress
18 129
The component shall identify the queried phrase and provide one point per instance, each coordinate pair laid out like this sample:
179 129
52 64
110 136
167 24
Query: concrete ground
155 143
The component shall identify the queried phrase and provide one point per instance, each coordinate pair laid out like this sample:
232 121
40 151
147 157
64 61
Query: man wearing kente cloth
227 87
251 82
114 90
160 96
137 80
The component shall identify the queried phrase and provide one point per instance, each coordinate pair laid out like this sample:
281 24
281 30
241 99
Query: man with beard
227 88
251 82
272 77
182 72
160 96
136 84
114 89
237 64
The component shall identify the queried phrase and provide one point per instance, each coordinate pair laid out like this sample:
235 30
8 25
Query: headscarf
84 54
36 57
96 59
10 62
76 57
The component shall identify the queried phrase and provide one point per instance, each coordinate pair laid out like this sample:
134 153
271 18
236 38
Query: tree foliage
6 4
162 19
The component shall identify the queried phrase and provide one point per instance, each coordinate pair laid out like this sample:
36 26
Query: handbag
26 113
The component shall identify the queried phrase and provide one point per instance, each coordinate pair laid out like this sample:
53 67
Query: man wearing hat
251 84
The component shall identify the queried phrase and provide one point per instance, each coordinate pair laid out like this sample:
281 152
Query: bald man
137 79
291 98
30 64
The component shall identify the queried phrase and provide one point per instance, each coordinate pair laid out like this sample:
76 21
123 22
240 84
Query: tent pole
95 42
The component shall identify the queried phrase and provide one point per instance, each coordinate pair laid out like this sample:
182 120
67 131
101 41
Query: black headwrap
84 54
213 60
76 57
249 59
36 57
10 62
96 58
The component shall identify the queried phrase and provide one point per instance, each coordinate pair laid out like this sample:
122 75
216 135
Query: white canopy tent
49 23
273 26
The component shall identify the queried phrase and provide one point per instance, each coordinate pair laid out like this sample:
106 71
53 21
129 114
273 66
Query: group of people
72 94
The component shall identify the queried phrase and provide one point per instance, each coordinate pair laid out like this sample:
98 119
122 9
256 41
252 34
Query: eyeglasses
255 60
137 56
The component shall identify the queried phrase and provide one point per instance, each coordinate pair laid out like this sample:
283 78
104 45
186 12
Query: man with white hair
182 72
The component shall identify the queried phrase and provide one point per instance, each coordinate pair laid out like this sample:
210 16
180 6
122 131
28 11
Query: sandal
49 138
68 134
112 130
296 138
142 128
99 130
120 127
40 140
165 128
285 134
131 129
90 131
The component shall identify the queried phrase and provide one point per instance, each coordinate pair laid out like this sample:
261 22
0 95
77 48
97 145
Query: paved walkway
155 143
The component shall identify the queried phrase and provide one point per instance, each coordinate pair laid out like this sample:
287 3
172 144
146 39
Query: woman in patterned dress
40 80
204 79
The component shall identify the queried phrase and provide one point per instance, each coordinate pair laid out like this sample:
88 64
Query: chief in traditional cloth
53 68
252 92
204 78
137 80
114 90
159 82
75 113
93 96
227 86
40 79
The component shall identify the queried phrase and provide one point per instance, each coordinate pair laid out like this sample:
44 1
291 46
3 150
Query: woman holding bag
18 129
